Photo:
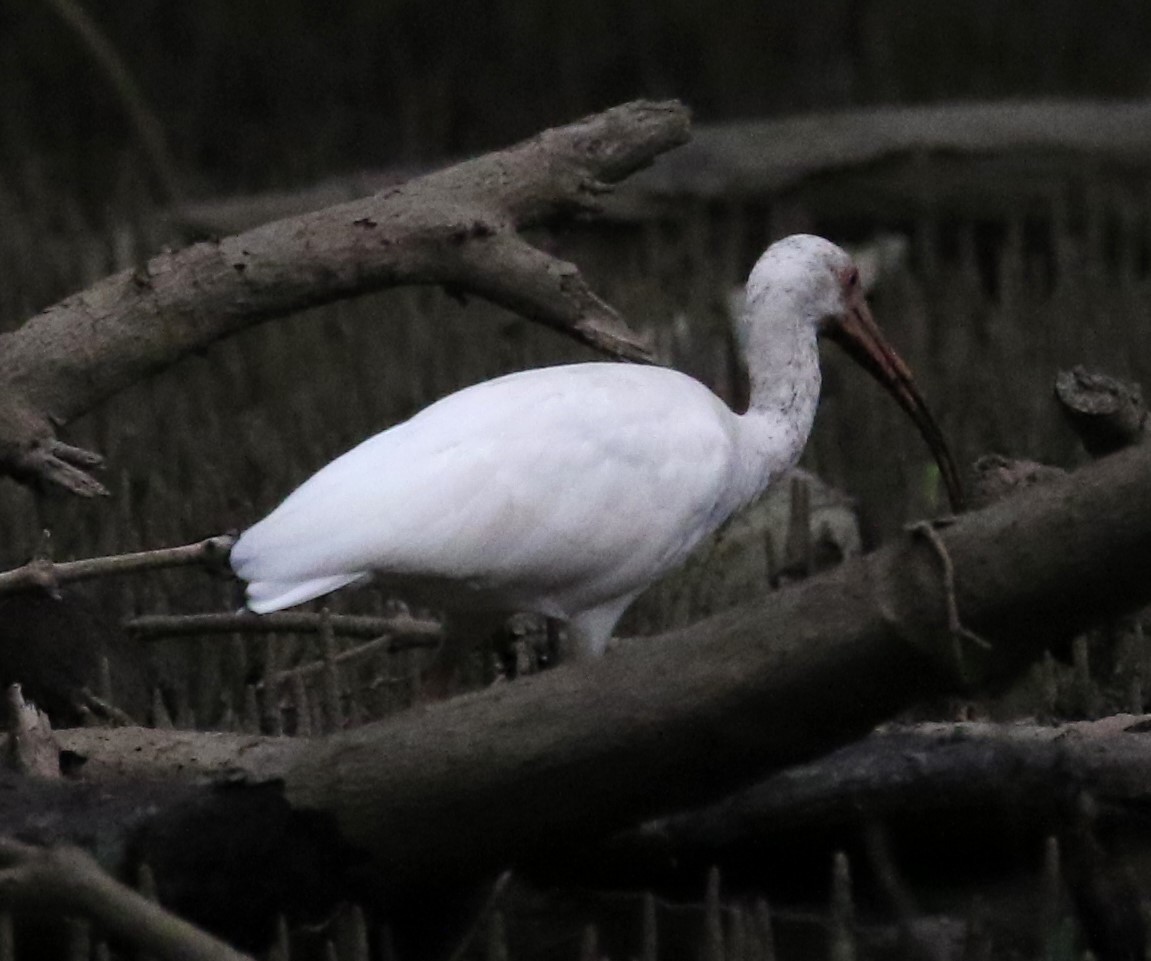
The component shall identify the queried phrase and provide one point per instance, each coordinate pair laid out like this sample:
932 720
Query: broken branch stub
458 227
1107 413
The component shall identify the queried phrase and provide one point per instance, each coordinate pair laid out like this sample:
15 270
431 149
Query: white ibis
566 491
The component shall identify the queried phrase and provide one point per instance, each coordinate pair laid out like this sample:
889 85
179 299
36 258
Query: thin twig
390 645
67 879
104 710
959 634
403 630
43 574
458 228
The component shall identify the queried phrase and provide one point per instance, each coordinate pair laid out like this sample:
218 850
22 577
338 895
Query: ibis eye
853 278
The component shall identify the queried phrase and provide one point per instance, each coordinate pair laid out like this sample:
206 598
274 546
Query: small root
960 635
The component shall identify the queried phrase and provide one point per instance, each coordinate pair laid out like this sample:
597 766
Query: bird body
563 491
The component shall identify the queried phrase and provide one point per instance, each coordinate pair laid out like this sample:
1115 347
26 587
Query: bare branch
1108 414
390 645
70 881
947 774
438 792
101 711
551 291
457 227
401 631
43 574
30 452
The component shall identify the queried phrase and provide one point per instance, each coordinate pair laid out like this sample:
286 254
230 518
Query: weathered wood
1108 414
230 859
940 777
439 793
69 881
458 227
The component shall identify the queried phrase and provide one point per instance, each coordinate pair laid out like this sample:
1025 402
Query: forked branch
459 227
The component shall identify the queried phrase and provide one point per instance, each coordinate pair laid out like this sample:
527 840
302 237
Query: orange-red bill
858 334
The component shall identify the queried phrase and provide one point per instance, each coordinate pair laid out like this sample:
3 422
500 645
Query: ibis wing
586 478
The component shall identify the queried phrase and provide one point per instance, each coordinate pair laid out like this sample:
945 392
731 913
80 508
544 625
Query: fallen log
463 788
932 786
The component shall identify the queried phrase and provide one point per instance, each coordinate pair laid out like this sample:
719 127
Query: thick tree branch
457 227
946 776
69 881
1108 414
439 792
767 157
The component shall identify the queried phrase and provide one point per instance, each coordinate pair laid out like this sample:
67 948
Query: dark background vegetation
265 93
260 95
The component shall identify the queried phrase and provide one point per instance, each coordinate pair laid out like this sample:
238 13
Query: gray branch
42 574
458 227
691 716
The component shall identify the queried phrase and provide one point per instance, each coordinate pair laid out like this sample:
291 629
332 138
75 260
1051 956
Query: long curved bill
858 334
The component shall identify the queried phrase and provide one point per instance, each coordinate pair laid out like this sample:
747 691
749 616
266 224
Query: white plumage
563 491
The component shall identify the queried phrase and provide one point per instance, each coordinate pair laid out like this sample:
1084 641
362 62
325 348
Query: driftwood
459 227
517 772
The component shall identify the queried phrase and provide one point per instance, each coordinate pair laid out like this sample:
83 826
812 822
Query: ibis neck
783 368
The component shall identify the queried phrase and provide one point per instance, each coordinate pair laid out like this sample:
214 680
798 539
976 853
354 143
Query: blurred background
126 127
267 94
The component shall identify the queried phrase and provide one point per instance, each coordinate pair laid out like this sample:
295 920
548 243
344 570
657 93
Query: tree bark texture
457 227
1107 413
514 773
945 781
